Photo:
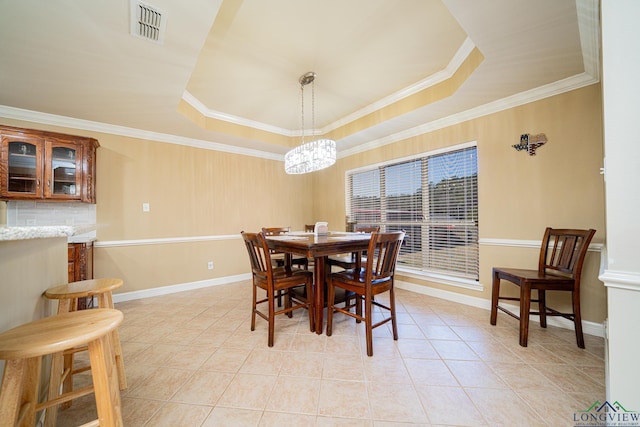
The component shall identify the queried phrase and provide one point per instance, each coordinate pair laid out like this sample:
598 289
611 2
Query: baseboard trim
589 328
171 289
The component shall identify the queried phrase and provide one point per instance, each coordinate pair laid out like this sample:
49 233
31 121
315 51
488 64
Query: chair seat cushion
534 278
284 276
356 277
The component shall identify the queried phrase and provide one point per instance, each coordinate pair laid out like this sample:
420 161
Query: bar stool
23 348
67 296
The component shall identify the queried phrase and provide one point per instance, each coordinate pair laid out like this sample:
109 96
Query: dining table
319 247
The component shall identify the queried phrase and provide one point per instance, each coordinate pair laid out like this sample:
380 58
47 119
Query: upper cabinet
46 165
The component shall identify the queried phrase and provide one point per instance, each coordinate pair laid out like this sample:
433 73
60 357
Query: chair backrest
308 228
275 231
366 229
564 250
259 254
383 253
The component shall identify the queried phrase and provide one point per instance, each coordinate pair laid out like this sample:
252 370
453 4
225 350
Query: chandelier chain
313 107
302 109
317 154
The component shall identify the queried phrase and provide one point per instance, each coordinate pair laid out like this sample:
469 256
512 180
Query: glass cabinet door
24 167
62 170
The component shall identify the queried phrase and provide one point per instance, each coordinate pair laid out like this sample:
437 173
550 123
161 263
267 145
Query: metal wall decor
530 143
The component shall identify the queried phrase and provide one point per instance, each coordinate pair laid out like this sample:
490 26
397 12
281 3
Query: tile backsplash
26 213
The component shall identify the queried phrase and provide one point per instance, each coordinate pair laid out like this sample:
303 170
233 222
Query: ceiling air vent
147 21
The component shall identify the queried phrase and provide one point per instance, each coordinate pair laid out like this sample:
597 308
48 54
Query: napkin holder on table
321 228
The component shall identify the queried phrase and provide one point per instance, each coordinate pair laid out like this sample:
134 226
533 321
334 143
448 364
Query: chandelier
315 155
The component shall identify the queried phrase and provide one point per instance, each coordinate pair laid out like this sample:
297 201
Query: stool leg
105 382
57 370
11 391
18 395
117 350
65 305
105 300
67 384
30 388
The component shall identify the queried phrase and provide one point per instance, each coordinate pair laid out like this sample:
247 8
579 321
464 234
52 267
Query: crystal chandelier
315 155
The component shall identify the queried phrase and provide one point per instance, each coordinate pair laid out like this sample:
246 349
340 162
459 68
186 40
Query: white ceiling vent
147 21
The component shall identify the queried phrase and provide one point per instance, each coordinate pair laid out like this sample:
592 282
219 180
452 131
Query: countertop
75 234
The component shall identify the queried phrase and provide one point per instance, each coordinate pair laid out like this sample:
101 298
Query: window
434 198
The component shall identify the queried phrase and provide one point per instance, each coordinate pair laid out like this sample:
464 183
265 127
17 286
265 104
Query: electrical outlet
210 265
145 207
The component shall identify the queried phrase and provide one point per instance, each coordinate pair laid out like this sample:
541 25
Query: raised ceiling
226 74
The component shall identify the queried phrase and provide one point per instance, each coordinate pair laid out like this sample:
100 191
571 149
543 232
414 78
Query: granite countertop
75 234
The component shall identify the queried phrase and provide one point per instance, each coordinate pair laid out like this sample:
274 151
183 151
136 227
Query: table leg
318 293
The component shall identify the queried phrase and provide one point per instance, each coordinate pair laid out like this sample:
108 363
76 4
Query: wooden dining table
319 247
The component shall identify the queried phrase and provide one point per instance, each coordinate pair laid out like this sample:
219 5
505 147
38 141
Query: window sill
458 282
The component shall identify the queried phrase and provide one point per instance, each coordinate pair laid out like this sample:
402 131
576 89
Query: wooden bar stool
67 296
23 348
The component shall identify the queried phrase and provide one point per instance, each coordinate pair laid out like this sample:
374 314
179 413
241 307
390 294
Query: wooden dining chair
273 279
347 261
375 278
559 268
309 228
279 257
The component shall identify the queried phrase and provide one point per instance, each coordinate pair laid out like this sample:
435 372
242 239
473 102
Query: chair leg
495 294
368 324
577 319
392 306
287 301
542 307
253 311
310 306
331 300
525 308
272 316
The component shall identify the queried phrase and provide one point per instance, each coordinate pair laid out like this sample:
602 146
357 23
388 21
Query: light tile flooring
192 360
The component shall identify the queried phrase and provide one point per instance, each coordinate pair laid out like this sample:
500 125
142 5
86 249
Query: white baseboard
590 328
164 290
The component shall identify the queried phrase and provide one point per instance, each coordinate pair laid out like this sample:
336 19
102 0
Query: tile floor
192 360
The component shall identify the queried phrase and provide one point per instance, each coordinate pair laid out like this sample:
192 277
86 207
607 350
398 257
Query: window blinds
434 198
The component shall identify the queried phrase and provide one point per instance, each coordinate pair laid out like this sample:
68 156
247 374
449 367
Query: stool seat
57 333
23 348
83 288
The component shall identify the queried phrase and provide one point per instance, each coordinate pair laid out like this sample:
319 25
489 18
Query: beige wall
194 192
519 195
27 269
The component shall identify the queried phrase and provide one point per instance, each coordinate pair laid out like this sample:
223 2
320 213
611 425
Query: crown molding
552 89
589 29
458 59
218 115
70 122
546 91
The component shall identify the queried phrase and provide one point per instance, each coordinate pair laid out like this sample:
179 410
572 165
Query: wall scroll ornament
531 142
